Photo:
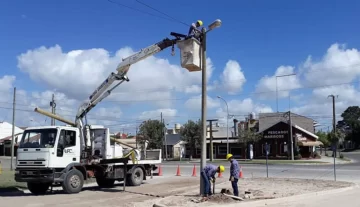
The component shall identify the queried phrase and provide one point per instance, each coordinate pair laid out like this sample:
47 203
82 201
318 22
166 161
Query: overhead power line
176 20
138 10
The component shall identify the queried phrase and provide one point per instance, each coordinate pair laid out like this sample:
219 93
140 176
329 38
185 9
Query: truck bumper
45 175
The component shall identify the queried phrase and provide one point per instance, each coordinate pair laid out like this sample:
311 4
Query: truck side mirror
60 151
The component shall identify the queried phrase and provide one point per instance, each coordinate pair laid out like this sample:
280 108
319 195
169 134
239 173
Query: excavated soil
219 198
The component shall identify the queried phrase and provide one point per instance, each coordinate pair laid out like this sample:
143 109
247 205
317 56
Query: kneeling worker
234 173
208 175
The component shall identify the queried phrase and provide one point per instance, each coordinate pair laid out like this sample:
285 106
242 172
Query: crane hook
172 50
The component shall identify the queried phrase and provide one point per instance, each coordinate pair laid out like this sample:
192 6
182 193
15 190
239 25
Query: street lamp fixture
215 24
227 124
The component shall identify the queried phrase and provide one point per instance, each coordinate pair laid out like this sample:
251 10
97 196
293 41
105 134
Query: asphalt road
344 172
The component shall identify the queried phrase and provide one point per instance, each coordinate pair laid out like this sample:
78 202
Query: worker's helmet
199 22
228 156
221 168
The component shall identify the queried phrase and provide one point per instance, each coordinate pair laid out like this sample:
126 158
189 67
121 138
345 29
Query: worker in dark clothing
208 175
234 173
194 30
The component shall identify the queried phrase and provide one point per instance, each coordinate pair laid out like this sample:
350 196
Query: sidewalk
333 198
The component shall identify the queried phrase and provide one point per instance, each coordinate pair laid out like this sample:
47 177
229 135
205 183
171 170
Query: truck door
68 149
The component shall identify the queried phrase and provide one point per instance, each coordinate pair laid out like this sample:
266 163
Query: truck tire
73 182
136 178
105 183
38 188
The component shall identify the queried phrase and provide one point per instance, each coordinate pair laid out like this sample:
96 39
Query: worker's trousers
234 185
206 186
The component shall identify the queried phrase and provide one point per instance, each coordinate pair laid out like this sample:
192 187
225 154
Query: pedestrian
234 173
194 30
208 175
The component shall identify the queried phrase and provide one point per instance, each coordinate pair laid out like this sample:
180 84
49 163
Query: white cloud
156 114
266 87
78 72
232 77
194 103
338 65
193 89
241 108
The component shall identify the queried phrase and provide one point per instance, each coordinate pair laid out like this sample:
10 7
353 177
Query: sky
68 48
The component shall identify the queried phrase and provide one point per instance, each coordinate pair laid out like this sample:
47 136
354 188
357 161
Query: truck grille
25 163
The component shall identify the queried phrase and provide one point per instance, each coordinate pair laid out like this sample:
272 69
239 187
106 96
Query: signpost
334 154
267 155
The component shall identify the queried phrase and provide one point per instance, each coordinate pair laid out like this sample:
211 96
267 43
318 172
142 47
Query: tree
323 137
153 132
248 137
351 119
191 133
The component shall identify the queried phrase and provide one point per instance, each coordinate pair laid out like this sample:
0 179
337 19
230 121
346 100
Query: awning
309 144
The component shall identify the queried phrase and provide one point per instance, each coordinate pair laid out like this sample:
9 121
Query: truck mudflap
44 175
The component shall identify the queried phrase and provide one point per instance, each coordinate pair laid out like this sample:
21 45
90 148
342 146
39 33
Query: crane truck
70 154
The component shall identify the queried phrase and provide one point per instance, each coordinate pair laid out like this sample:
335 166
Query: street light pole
227 124
215 24
276 77
203 108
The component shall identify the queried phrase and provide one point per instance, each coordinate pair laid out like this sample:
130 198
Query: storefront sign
276 134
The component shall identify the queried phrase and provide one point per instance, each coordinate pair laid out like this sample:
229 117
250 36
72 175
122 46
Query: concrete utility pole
334 117
227 124
53 106
13 131
211 138
291 137
215 24
276 77
166 148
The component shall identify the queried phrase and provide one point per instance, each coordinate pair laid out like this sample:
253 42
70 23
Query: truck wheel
38 188
136 178
73 182
105 183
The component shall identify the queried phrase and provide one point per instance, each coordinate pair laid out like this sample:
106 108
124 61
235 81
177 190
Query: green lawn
7 181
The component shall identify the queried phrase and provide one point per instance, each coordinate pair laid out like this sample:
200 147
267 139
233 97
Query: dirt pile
219 198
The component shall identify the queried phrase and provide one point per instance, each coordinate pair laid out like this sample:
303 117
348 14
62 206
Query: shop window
222 150
264 150
235 151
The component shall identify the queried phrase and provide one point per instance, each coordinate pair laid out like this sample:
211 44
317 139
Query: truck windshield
38 138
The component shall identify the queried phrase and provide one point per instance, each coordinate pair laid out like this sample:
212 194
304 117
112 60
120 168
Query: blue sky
259 35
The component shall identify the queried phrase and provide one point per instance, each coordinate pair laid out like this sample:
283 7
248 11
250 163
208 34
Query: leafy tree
248 137
323 137
351 118
153 132
191 133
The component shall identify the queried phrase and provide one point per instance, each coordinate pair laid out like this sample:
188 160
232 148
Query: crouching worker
208 175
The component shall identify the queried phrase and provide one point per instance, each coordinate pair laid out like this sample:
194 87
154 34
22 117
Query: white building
6 130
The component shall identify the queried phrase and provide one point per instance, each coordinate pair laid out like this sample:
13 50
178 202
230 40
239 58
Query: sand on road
168 191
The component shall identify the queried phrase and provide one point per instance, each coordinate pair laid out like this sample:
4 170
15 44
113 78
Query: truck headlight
17 172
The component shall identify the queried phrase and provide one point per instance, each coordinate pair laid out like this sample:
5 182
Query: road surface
162 185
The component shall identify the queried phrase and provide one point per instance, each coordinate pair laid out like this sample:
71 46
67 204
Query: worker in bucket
194 30
208 175
234 173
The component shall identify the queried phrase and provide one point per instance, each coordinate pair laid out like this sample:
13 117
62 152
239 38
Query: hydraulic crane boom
102 91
